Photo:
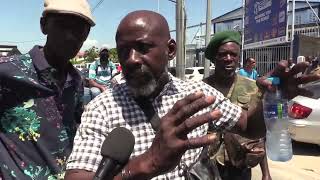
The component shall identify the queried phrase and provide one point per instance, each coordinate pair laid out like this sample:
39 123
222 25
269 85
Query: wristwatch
125 174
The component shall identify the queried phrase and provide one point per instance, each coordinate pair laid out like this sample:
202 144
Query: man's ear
43 25
172 46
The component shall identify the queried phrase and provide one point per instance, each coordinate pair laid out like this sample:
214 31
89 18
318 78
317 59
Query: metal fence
313 31
268 57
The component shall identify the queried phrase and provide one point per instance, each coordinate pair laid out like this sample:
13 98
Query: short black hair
246 60
104 51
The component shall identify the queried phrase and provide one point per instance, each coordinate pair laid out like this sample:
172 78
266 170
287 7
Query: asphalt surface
305 165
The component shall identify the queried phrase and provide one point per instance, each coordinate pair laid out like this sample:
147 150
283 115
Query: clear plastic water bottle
275 110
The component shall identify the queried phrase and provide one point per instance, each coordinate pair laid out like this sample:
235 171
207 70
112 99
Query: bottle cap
274 80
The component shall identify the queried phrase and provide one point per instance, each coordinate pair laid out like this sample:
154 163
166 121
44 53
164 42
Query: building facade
9 50
306 23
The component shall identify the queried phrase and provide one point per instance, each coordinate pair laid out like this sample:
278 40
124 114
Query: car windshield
201 71
314 88
189 71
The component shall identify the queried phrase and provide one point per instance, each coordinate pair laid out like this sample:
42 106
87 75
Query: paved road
305 165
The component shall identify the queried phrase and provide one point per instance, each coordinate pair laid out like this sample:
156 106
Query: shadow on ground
305 149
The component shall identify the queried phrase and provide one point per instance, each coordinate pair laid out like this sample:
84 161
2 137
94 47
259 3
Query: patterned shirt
100 74
37 117
116 107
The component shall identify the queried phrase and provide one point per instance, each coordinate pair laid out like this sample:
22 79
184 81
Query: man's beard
145 90
149 85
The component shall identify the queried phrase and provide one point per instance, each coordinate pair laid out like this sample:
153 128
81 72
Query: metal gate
268 57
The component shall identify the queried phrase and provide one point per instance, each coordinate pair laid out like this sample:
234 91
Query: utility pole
292 27
208 34
180 37
242 33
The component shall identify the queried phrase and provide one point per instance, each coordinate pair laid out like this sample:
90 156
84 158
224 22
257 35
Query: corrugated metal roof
5 49
8 50
234 14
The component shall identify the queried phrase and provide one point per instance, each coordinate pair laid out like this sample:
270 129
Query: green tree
73 60
91 54
113 55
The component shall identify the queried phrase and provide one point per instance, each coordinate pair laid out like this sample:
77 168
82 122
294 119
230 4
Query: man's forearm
93 83
264 166
251 123
255 122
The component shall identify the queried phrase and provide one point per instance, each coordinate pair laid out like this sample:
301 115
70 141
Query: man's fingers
190 124
263 83
185 101
281 69
299 68
190 109
198 142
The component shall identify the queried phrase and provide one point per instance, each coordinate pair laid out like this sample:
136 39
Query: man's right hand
171 140
93 83
103 88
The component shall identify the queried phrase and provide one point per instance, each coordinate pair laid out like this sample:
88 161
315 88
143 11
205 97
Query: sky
20 19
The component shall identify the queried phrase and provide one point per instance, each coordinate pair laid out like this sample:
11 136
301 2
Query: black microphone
116 150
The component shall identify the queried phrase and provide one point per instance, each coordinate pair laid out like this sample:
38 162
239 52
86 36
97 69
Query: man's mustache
143 70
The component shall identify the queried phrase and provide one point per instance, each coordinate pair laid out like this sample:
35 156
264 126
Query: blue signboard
265 23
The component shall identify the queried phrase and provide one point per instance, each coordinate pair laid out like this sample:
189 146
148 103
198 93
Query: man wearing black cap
224 51
41 95
100 74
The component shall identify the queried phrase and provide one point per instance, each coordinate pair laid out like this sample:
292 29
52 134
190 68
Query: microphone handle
107 170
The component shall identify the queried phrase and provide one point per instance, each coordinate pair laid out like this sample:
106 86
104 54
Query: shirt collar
168 87
98 62
41 64
38 58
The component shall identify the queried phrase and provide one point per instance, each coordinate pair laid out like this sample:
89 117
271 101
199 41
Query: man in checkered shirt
185 108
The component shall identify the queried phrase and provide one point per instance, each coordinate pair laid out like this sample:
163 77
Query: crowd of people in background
45 134
314 63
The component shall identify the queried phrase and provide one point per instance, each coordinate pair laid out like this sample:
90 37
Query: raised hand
289 81
171 140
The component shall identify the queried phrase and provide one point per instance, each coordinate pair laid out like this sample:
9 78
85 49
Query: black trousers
230 172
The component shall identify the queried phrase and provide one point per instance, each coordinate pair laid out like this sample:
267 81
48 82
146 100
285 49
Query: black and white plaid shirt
117 107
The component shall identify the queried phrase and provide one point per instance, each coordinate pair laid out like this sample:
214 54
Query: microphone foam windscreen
118 145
